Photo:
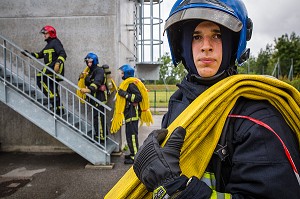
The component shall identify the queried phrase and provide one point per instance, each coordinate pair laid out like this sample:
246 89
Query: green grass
159 98
159 95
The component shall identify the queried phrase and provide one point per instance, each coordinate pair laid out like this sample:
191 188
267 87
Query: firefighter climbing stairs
73 126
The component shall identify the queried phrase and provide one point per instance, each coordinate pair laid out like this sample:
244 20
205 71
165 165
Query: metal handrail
20 73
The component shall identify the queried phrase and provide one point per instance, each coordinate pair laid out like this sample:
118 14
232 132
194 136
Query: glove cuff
169 188
195 188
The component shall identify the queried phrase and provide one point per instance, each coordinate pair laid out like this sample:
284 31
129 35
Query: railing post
154 101
4 59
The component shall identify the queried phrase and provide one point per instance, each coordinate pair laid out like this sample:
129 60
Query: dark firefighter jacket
53 52
132 110
256 166
94 81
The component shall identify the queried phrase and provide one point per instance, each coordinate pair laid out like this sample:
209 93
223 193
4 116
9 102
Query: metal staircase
18 90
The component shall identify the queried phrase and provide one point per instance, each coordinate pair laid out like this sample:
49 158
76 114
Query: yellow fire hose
111 85
146 116
81 84
204 119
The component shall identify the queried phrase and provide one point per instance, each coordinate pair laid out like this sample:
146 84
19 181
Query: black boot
129 159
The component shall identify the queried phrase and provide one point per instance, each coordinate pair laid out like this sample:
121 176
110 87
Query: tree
263 59
287 51
168 73
164 68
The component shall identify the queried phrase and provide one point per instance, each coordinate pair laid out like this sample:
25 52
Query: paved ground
62 176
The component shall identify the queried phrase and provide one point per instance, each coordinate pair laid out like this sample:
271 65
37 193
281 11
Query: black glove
24 52
122 93
158 167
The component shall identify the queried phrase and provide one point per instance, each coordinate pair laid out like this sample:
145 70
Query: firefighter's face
207 48
121 73
46 35
89 63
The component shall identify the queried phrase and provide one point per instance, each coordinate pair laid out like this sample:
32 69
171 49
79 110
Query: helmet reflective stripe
88 59
225 19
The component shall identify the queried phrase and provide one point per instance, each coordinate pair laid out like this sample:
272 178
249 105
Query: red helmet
50 30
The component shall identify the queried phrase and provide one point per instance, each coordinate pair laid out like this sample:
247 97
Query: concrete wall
97 26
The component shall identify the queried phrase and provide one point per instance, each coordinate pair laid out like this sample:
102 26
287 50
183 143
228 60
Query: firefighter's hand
122 93
25 53
85 90
56 67
82 74
158 167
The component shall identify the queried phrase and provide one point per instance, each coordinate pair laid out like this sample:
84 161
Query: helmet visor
209 14
43 31
88 59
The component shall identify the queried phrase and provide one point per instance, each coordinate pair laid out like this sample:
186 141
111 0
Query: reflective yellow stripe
44 70
49 52
209 179
51 95
134 118
61 66
94 85
132 97
218 195
61 58
36 55
100 126
135 149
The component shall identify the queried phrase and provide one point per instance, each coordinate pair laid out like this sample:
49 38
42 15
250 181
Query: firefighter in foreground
256 146
54 57
94 81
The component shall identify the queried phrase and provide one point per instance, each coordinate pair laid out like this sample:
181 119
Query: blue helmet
231 14
127 70
92 57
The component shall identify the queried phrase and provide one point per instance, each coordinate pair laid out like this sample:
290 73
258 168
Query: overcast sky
271 19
